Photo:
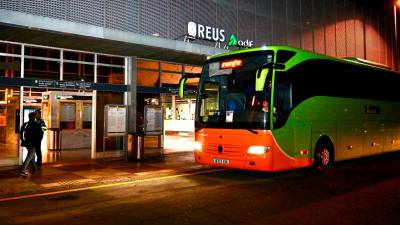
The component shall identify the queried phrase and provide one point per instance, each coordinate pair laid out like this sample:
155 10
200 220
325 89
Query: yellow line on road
108 185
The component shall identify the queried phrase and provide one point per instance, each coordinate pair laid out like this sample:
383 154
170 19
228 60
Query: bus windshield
228 98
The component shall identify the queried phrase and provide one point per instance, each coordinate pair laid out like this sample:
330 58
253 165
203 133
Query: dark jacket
42 126
31 135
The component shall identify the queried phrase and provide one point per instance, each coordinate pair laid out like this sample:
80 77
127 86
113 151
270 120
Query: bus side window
283 103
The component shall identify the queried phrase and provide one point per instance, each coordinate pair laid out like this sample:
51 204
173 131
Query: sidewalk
69 175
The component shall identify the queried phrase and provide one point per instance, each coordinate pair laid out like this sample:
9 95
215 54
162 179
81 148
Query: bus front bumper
249 162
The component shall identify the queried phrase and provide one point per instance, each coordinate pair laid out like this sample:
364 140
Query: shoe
36 168
24 173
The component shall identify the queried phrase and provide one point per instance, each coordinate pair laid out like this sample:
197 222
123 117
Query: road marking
109 185
58 184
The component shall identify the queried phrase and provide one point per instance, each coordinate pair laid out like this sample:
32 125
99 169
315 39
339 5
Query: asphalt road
356 192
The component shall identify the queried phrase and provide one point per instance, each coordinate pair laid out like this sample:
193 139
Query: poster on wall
115 119
153 120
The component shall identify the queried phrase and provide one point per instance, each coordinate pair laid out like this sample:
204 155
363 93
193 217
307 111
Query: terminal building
105 72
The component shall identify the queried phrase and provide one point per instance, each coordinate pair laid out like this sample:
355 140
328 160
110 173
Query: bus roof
303 55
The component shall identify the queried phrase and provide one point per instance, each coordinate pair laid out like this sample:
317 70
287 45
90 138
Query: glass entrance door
68 118
178 123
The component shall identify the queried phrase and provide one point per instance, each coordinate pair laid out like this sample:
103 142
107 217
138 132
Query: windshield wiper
252 131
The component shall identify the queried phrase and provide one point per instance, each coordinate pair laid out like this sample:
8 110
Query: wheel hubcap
325 157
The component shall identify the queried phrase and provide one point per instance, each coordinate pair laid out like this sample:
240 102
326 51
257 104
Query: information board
87 112
67 113
81 85
115 119
66 84
45 83
153 120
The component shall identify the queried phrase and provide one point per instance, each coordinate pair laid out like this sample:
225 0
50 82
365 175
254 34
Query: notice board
153 120
115 119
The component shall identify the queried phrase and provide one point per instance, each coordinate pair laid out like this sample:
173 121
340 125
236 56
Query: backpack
22 134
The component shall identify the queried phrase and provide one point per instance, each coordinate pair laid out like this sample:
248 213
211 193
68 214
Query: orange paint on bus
229 147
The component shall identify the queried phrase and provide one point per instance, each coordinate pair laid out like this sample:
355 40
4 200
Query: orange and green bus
278 108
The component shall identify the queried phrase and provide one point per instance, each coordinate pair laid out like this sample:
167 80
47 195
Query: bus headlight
197 146
258 150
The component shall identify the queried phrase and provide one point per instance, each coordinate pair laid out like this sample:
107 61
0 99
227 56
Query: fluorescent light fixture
65 97
30 100
258 150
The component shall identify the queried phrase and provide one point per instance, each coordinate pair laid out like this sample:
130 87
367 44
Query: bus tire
323 156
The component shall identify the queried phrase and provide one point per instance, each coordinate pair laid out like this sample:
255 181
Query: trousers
38 156
29 158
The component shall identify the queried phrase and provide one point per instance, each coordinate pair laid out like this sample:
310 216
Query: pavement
77 174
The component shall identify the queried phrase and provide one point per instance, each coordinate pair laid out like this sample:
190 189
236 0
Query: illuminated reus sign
199 31
206 32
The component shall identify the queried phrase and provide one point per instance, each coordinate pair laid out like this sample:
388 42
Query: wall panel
339 28
154 18
307 33
263 22
350 29
319 25
246 19
181 14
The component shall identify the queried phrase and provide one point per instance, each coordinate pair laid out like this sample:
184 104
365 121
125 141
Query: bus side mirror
260 78
182 82
183 79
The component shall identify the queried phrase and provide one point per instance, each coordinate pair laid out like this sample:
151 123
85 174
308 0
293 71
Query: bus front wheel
323 157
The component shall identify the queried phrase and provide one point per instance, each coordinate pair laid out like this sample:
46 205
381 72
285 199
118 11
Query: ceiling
63 40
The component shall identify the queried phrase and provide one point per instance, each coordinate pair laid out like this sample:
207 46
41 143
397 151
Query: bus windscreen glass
227 97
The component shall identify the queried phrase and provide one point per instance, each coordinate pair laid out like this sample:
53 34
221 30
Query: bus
278 108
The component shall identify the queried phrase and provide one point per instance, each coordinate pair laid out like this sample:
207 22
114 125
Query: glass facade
41 63
148 73
178 112
9 122
152 73
10 60
67 111
110 70
78 66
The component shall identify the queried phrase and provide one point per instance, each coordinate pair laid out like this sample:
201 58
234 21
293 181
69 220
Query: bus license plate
221 161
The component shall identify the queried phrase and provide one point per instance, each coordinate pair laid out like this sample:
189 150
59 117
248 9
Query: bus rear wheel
323 158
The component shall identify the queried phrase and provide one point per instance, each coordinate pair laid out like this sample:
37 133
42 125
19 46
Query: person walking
43 128
30 138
